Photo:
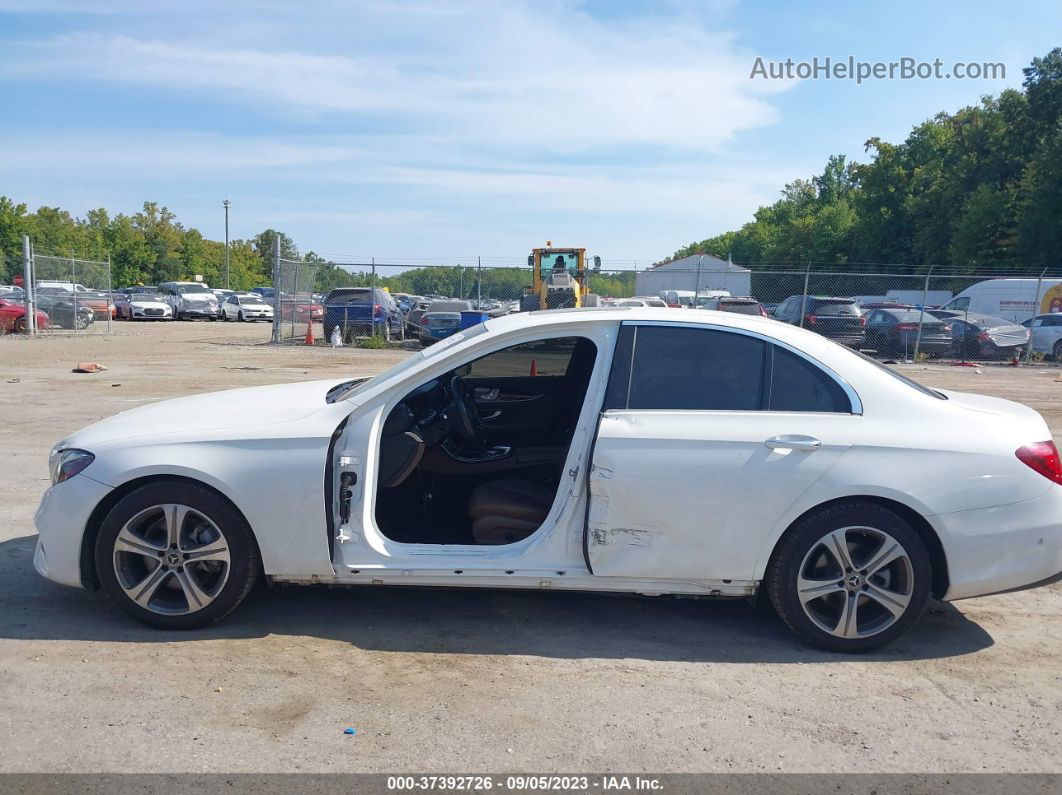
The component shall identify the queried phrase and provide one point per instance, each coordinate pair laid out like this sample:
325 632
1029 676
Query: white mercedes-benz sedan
653 451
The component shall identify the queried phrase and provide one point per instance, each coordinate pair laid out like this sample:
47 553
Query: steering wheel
465 414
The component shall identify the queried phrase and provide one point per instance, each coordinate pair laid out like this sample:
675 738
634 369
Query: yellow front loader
559 279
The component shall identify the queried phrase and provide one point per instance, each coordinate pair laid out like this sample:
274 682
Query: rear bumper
61 519
1003 548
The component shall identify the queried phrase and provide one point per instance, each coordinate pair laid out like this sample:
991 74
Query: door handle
492 416
808 444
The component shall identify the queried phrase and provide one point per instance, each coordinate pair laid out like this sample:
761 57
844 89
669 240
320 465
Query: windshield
555 261
411 361
185 289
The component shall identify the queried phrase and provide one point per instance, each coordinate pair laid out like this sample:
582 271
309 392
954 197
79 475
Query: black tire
1057 351
387 331
239 317
244 560
803 540
20 325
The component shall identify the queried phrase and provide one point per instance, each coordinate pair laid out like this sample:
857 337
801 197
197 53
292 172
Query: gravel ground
439 681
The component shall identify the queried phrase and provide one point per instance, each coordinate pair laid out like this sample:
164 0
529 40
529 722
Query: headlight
64 464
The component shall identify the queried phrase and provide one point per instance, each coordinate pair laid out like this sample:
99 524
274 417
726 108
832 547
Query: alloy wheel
855 582
171 559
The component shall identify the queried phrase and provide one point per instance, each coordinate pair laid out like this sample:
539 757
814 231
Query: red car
13 317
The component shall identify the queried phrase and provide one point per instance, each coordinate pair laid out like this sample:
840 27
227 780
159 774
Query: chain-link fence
55 294
892 311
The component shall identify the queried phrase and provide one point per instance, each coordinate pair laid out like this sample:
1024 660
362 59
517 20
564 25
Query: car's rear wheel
1057 351
387 331
850 577
176 556
20 325
240 317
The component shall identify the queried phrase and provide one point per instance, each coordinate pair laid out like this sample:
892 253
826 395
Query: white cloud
547 76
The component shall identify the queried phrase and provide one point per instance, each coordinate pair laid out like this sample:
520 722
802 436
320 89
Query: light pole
226 205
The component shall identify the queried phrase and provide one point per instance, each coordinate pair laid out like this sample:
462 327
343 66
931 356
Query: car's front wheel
850 577
176 555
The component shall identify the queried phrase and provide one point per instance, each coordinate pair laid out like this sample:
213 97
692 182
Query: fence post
1036 311
372 322
73 289
804 297
110 296
697 284
276 289
479 283
31 287
922 314
294 300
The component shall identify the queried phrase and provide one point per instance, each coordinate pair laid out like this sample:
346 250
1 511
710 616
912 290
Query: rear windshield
925 390
834 306
185 289
353 296
741 307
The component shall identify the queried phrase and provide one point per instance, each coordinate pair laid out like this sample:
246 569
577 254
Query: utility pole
225 204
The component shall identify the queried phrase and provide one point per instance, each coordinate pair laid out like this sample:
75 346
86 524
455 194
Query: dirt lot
449 681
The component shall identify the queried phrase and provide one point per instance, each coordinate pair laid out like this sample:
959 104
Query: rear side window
677 368
669 367
798 385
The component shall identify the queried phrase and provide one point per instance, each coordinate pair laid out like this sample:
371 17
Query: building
696 272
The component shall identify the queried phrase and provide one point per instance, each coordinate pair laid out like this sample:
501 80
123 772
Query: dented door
695 495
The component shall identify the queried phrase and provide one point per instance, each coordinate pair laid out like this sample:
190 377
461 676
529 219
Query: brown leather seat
506 511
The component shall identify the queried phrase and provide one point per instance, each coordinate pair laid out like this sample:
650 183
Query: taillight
423 320
376 309
1043 457
863 320
906 326
984 336
947 328
811 320
763 312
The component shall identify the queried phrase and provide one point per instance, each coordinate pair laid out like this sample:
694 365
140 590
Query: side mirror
597 263
530 260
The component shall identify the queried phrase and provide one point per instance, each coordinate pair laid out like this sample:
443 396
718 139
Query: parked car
440 320
63 313
987 337
100 303
895 331
190 300
645 456
12 292
69 287
246 306
362 310
1011 299
414 315
267 293
13 317
743 305
141 303
1046 334
836 318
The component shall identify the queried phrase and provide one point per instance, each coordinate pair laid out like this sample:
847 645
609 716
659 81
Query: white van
678 298
1013 299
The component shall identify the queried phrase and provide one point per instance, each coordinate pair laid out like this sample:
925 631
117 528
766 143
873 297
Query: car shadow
558 624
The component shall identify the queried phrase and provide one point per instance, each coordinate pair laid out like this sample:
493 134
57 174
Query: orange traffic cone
534 368
309 333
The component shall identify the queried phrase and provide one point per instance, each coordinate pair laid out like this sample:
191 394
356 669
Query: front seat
506 511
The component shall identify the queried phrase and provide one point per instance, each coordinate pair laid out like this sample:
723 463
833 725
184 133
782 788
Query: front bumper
1003 548
61 519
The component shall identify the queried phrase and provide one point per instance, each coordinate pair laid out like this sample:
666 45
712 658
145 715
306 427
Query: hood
210 414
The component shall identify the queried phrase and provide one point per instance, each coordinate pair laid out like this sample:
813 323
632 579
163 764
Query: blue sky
455 129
